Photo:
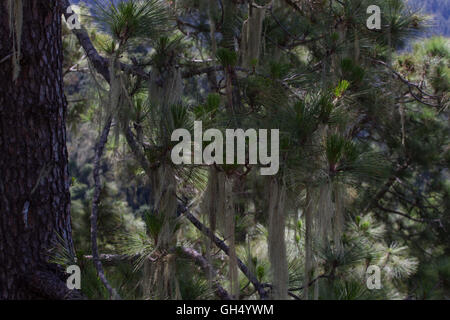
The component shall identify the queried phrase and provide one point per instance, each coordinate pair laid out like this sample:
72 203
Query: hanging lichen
160 281
339 218
166 88
324 214
15 14
251 36
159 270
214 206
308 209
166 84
324 210
357 47
210 205
164 92
218 204
115 89
212 24
165 203
230 236
276 241
401 110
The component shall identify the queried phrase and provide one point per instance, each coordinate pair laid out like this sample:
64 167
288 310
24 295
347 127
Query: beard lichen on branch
15 15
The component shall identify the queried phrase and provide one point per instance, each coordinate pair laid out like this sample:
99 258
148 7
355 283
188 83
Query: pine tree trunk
34 177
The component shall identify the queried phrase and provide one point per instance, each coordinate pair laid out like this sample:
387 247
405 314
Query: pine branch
294 5
399 213
411 86
137 151
222 245
299 40
114 259
100 63
310 283
195 72
208 269
219 243
296 297
95 202
380 194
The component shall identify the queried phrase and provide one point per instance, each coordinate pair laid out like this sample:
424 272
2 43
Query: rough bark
34 177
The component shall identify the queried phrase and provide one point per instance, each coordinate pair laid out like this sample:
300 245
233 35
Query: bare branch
113 259
410 85
195 72
137 151
399 213
208 269
95 202
100 63
380 194
222 245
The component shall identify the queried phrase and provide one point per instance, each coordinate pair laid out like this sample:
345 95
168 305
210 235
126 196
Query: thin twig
6 58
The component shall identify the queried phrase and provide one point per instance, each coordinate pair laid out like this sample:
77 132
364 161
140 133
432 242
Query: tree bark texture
34 177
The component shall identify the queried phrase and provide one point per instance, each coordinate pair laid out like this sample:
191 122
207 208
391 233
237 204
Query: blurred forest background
364 149
440 12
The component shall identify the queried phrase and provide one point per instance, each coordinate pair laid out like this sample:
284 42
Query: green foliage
126 20
167 50
154 224
340 89
355 141
351 71
226 57
337 148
